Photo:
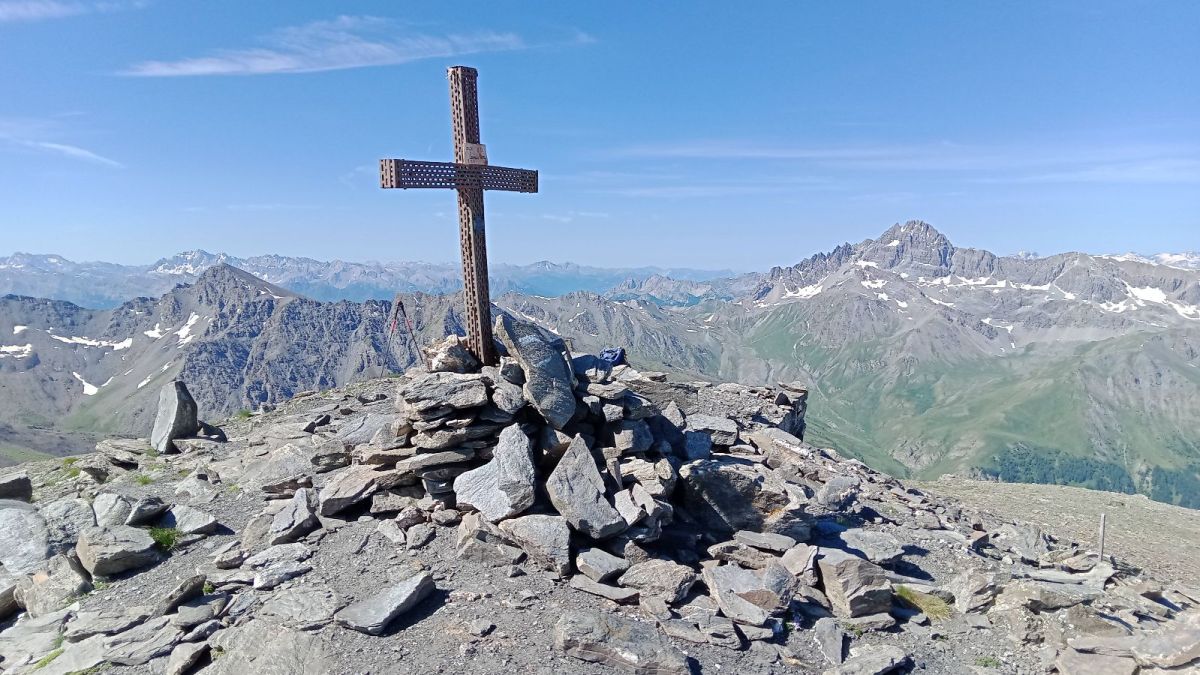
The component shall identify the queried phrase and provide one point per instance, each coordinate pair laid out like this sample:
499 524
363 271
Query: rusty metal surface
469 174
413 174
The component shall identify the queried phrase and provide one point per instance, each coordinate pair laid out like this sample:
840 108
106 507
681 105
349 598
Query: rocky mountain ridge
538 516
107 285
927 358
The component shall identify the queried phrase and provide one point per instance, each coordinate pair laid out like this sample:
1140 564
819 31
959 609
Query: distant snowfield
16 351
89 342
17 330
185 333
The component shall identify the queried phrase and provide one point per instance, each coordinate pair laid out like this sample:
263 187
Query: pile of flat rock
695 513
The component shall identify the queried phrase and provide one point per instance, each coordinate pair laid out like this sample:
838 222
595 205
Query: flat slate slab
627 645
372 615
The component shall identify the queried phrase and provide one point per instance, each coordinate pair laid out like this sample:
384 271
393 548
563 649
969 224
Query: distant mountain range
923 358
105 285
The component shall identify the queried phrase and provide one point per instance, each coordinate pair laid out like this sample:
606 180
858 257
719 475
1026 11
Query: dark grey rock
348 487
662 578
545 539
105 551
176 417
576 489
16 486
830 639
146 510
297 518
722 430
622 596
24 538
549 383
599 565
749 597
618 642
855 587
372 615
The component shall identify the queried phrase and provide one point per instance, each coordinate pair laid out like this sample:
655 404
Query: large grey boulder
16 486
576 489
51 589
176 417
65 519
624 644
749 597
855 587
661 578
504 487
297 518
348 487
189 520
545 539
436 393
111 509
727 494
105 551
24 538
549 383
372 615
721 430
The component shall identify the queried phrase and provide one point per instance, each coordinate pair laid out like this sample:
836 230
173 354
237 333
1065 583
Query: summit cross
470 175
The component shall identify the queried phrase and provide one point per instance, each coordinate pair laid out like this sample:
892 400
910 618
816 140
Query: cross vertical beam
464 112
470 176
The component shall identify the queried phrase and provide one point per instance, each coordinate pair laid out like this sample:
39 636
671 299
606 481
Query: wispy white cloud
1167 170
35 135
341 43
74 152
1014 163
270 206
42 10
571 216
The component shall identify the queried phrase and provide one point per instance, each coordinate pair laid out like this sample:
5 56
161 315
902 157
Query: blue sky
731 135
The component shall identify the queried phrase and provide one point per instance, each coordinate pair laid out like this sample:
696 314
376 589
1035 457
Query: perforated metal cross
470 175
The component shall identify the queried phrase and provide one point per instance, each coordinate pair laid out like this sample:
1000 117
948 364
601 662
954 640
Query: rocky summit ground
548 515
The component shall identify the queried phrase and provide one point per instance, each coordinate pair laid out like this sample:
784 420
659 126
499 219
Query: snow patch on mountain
88 389
185 333
16 351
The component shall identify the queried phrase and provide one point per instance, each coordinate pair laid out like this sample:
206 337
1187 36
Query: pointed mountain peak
223 278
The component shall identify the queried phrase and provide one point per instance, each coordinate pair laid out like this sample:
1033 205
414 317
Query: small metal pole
1103 518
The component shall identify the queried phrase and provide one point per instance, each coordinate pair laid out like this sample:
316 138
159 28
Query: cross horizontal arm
406 173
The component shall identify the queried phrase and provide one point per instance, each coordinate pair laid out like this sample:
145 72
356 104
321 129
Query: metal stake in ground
470 174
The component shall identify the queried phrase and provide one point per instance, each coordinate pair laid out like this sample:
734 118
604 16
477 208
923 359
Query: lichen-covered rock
549 383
